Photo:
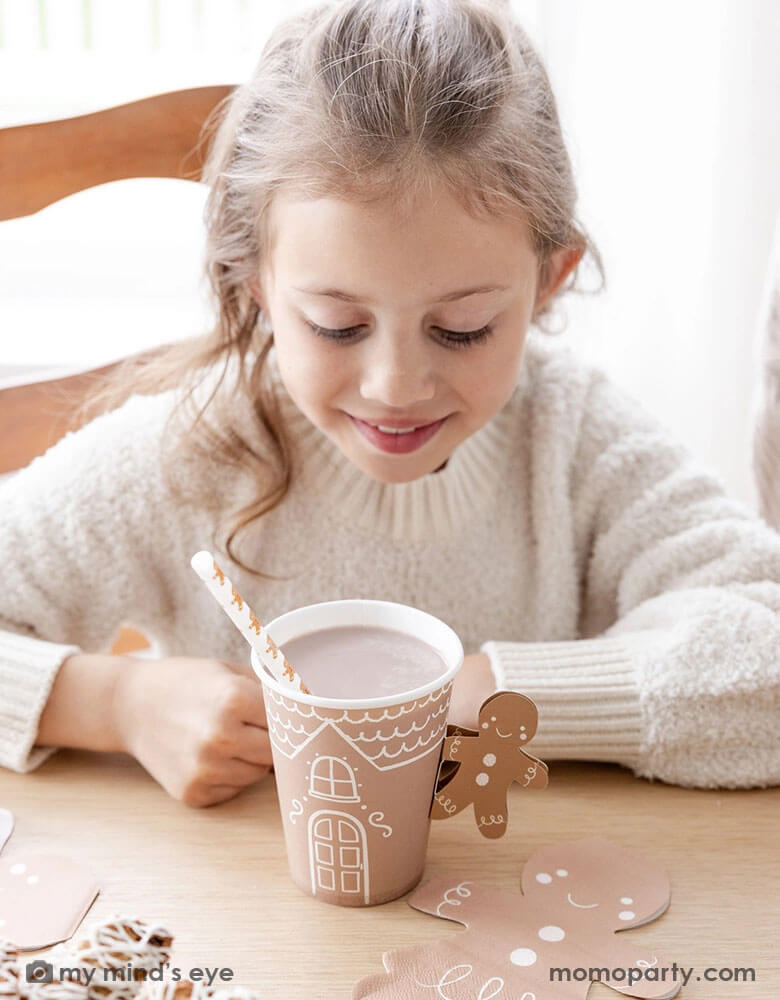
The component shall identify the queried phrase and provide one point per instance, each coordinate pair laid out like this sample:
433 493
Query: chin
384 473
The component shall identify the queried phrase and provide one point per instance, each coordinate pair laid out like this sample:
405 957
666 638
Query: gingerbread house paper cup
356 778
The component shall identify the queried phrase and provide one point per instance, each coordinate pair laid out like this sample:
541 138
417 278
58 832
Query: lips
390 424
397 444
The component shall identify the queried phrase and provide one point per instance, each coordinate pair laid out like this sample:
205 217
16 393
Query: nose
395 374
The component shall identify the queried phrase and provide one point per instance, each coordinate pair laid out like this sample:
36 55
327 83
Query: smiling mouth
397 443
581 906
504 736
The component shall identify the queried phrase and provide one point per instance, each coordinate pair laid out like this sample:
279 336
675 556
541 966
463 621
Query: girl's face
421 319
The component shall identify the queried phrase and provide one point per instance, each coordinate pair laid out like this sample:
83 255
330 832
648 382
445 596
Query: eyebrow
336 293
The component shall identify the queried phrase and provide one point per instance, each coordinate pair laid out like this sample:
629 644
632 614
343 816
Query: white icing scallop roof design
399 740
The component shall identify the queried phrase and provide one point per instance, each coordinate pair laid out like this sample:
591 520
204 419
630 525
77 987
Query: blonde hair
362 100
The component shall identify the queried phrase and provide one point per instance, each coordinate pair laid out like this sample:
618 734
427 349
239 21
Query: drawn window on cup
327 878
350 881
347 832
324 853
322 829
350 857
331 778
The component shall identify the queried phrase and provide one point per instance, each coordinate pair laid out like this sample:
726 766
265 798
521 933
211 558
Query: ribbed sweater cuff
28 667
586 692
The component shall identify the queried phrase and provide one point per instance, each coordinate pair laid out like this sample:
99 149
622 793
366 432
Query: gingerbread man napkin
548 943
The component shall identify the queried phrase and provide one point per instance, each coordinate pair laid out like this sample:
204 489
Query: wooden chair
160 136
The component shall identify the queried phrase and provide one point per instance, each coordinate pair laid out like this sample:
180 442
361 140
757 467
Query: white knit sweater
605 572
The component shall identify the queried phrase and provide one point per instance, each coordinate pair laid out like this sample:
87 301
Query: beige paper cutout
575 896
6 826
43 899
479 765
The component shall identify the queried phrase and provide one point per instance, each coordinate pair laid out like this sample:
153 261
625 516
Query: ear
558 268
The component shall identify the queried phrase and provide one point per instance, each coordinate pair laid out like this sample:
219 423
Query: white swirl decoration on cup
375 819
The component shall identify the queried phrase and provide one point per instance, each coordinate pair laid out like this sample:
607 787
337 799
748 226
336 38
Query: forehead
433 241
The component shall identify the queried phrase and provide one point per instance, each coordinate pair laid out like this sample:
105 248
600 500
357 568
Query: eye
349 333
466 339
451 337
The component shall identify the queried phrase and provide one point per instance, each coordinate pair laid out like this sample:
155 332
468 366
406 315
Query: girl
391 213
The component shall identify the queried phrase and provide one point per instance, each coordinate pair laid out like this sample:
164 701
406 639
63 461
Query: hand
472 685
198 726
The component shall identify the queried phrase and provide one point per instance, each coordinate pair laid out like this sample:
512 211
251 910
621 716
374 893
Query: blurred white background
670 111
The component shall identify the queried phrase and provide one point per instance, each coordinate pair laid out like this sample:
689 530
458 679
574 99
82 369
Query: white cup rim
450 647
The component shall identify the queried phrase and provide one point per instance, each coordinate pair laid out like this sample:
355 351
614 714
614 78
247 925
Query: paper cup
356 778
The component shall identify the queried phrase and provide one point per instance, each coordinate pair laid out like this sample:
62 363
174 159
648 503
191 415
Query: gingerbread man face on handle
478 766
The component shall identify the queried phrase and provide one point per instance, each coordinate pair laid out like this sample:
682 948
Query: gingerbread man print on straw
245 620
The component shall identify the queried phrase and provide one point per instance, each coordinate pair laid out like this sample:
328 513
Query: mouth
581 906
397 441
504 736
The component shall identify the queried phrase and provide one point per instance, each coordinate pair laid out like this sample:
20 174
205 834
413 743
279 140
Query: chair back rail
158 136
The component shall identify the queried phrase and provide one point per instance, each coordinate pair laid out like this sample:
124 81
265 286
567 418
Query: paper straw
245 620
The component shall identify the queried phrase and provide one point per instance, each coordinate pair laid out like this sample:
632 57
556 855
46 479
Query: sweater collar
438 504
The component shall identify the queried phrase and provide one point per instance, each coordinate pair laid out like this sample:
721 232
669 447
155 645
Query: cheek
488 383
506 373
311 375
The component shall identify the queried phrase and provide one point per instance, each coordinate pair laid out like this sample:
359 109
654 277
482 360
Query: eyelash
453 339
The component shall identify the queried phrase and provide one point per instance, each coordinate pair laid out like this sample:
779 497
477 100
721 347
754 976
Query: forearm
684 688
586 691
472 685
80 711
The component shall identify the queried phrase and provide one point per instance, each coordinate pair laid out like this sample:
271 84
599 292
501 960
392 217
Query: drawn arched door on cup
338 859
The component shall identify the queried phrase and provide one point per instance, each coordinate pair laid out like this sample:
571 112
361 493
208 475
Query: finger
252 744
221 793
239 772
251 708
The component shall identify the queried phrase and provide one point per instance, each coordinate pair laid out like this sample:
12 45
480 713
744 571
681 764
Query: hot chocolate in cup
356 775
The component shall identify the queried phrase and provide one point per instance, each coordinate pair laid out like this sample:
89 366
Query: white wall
672 113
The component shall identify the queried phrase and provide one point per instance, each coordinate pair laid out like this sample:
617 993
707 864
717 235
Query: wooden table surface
217 877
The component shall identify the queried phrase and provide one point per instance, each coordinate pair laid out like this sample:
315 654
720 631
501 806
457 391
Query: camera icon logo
39 972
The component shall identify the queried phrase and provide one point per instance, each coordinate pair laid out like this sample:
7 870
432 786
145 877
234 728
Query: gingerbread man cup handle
478 766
